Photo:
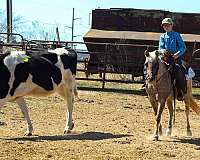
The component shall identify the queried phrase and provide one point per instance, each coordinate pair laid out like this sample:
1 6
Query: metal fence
105 59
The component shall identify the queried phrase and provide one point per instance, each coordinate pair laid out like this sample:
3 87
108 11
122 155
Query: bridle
167 71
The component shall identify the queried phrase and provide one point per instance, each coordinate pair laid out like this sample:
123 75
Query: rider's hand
166 53
175 56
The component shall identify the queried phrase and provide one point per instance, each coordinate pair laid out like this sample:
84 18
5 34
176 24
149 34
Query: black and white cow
38 74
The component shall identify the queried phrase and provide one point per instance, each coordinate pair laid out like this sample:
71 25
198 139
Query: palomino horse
160 91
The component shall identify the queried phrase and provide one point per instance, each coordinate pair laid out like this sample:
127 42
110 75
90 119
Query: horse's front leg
171 113
154 105
161 105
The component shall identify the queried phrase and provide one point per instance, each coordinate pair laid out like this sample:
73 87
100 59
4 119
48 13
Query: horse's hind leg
170 109
188 103
187 111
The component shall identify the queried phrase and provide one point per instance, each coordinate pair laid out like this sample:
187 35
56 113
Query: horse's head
151 65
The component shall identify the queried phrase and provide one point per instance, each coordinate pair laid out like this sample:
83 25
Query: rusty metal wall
140 20
143 20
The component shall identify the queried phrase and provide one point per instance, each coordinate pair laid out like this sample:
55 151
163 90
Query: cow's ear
146 53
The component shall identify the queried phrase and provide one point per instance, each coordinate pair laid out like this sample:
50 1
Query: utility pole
9 20
89 23
73 19
72 27
58 36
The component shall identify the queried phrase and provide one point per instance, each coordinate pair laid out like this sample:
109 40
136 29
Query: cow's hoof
72 126
28 134
68 129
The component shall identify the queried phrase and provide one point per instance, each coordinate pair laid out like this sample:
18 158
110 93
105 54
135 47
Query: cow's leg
2 102
154 105
161 105
69 124
22 104
170 109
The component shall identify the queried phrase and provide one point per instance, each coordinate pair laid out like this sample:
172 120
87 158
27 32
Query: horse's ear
157 53
146 53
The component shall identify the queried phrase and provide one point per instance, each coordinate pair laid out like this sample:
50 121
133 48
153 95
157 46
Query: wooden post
104 70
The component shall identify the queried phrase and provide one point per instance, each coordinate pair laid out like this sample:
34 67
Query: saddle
177 72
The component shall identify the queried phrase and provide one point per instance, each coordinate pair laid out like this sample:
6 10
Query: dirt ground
108 125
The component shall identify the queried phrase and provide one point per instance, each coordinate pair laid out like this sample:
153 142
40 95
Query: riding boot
181 83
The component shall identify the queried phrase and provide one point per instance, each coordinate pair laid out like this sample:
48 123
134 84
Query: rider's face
167 27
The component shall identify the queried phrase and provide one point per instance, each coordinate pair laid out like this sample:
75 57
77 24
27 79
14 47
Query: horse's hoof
189 133
2 123
155 138
28 134
169 132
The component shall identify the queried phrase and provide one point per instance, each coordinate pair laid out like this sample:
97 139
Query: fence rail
106 58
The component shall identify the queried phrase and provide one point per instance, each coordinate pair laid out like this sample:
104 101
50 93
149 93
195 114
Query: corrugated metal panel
133 35
122 19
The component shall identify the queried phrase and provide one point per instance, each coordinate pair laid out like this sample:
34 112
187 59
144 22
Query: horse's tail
194 106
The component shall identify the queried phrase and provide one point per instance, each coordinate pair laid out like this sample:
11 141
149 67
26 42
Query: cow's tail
75 90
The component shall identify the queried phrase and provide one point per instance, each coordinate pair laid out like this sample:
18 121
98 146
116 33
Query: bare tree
30 29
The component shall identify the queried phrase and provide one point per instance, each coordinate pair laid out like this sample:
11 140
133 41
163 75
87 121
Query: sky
59 12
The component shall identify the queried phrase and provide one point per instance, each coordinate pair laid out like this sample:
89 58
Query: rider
172 42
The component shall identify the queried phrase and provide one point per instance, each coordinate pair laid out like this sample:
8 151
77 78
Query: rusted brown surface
143 20
142 27
134 35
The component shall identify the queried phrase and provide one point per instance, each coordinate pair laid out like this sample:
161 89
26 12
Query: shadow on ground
141 92
194 141
95 136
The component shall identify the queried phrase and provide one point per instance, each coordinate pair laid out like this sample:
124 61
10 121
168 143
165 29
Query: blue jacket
173 42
